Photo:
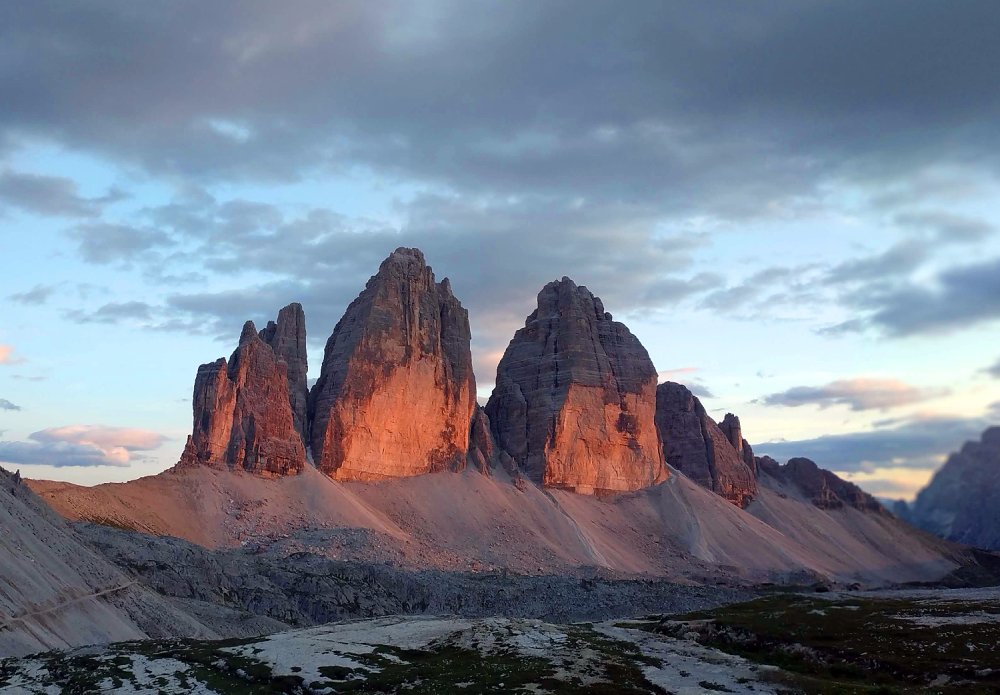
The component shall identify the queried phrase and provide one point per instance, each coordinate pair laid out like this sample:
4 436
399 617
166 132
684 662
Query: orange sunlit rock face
575 398
396 392
242 415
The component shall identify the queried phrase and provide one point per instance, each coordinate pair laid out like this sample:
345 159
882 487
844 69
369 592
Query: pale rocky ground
55 591
430 655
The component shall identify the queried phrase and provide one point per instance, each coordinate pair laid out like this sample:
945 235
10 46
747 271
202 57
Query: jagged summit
242 415
823 488
396 392
575 397
287 338
702 450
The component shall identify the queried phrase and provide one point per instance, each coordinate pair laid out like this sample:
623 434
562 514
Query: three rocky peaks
576 404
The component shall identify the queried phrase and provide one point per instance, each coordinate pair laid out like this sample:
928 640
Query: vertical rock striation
482 450
396 392
575 398
242 415
700 449
287 338
731 427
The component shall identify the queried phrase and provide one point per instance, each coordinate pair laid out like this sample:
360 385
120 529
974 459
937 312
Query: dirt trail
63 604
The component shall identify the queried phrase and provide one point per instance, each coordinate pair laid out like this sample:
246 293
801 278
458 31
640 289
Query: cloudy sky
793 204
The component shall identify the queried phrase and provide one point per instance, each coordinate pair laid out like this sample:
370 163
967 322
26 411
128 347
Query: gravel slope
470 522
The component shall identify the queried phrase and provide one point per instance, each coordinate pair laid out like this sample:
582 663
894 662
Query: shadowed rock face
960 502
396 391
575 398
482 449
696 446
731 427
287 338
242 415
823 488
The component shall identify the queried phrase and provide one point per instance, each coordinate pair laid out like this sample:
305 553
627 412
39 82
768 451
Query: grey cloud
947 227
738 296
57 454
616 105
963 296
52 196
699 390
104 243
21 377
497 253
81 445
36 296
900 259
563 152
7 405
914 443
111 313
993 411
858 394
994 371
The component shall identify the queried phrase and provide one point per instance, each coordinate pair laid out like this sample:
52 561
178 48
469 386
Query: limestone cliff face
696 446
242 416
731 427
575 398
396 392
287 338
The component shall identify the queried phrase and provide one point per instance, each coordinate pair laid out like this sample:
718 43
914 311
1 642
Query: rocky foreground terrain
784 642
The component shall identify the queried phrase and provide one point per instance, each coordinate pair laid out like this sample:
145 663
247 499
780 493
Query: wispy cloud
36 296
857 394
7 405
81 445
51 196
994 370
8 357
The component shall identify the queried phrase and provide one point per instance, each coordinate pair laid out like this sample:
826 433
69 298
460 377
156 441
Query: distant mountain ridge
960 502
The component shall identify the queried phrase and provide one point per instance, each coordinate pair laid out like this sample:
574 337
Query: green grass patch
863 646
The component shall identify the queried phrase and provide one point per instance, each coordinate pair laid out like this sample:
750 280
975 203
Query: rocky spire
396 392
287 338
731 427
700 449
242 416
575 398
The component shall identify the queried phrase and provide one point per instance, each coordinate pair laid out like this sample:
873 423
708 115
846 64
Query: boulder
242 415
396 392
575 398
700 449
287 338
